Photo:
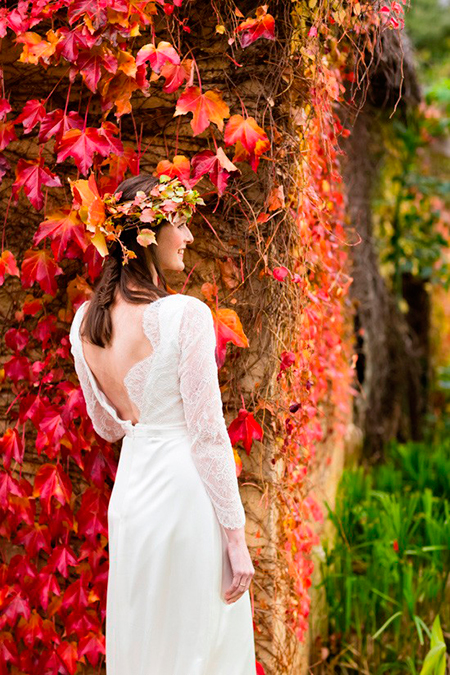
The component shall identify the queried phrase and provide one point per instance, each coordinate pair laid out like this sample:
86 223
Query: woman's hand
241 565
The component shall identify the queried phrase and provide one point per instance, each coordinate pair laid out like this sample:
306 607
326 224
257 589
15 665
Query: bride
178 598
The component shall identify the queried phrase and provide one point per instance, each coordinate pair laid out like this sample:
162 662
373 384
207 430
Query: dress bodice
176 386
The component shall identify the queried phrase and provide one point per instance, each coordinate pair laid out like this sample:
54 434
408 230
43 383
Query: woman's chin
177 266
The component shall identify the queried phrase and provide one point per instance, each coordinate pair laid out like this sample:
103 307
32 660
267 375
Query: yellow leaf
100 243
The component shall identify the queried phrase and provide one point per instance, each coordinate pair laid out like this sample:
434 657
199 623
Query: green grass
386 572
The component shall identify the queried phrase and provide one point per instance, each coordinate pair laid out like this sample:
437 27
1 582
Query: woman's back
128 346
174 387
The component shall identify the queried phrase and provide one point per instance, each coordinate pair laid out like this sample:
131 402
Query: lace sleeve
199 386
103 423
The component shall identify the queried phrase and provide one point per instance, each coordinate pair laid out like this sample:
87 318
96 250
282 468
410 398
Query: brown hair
97 324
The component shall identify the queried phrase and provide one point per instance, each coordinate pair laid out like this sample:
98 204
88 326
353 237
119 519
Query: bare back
129 346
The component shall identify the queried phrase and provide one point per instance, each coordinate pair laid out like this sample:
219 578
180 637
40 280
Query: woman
180 570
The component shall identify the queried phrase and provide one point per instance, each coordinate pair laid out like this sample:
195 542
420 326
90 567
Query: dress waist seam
154 431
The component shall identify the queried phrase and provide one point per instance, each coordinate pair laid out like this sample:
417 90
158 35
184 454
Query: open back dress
175 490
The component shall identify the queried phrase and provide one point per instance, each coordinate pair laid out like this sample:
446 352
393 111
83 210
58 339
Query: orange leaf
126 63
180 168
206 108
228 328
78 290
275 199
91 209
238 461
251 140
118 91
88 201
8 265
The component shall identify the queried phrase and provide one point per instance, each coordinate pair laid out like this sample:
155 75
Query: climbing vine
97 65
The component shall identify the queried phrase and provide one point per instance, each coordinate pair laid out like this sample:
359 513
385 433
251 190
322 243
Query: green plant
386 571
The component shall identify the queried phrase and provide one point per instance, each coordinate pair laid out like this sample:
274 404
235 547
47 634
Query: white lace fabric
199 386
176 385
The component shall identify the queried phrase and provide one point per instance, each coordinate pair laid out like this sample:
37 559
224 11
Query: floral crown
106 218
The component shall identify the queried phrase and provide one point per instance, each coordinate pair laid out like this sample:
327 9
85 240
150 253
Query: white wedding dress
175 490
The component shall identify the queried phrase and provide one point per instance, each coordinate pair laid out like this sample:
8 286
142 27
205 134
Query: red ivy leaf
76 595
69 42
176 74
34 537
33 112
280 273
56 123
246 429
68 653
32 176
217 166
17 339
62 227
17 368
11 446
30 631
92 515
51 481
51 431
44 586
4 166
17 606
61 558
41 267
81 145
93 646
287 360
8 649
5 108
44 330
108 130
8 486
90 64
157 56
261 27
118 166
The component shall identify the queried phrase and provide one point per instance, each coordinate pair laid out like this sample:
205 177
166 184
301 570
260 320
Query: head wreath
106 218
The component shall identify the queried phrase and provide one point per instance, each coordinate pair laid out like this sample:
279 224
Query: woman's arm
211 448
199 386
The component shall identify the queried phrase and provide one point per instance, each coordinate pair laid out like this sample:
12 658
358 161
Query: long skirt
168 568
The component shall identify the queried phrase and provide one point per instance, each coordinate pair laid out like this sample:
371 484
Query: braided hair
97 324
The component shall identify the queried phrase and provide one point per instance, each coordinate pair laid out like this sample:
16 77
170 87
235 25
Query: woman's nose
190 238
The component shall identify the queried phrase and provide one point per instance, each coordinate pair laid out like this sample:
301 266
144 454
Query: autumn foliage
117 52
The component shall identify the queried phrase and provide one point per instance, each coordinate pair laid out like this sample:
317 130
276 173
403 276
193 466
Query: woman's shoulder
184 300
193 306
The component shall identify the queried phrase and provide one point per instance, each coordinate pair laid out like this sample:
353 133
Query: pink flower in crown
169 206
139 198
147 216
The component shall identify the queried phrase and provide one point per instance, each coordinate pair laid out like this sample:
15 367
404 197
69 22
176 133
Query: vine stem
5 220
